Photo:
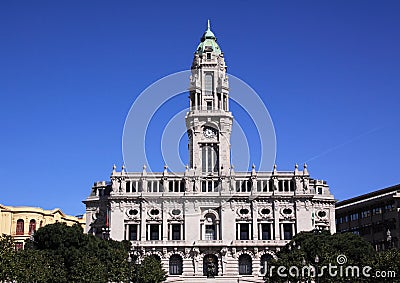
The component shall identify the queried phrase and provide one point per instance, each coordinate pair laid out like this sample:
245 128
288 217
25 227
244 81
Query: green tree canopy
339 249
59 254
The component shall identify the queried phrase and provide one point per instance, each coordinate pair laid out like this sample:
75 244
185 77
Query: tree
388 261
85 258
341 250
7 254
59 254
150 271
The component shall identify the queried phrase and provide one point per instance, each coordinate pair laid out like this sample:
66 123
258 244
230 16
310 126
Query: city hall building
209 223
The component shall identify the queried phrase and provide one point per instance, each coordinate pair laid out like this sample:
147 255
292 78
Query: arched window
175 265
210 227
20 227
265 258
245 267
210 265
32 226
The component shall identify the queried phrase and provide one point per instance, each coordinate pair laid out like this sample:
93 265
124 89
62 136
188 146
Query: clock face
209 132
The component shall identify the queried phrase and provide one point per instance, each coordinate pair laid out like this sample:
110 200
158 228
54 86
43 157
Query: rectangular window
209 83
266 231
210 232
176 231
354 216
154 232
133 232
225 104
204 158
377 211
19 246
365 214
287 231
244 232
209 155
204 186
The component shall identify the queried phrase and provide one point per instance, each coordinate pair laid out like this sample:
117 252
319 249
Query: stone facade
21 222
209 221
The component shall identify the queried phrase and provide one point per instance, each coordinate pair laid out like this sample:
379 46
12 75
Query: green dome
208 42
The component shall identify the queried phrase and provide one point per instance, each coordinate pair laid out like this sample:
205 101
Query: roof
39 210
208 42
377 193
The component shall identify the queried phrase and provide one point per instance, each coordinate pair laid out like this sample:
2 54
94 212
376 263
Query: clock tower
209 122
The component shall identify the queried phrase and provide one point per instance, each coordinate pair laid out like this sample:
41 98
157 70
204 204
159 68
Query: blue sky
328 72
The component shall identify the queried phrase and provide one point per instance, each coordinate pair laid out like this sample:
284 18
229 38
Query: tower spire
209 152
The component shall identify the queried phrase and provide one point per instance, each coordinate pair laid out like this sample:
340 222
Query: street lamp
316 262
389 238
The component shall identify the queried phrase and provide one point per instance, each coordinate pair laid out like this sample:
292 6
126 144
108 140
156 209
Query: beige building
21 221
209 220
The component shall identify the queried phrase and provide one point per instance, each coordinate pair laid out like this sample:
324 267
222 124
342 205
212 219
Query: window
245 265
244 185
176 186
209 186
176 231
244 231
19 246
209 83
287 231
154 232
354 216
225 103
209 154
210 227
210 232
133 232
32 226
365 214
266 231
389 207
377 211
175 265
208 56
20 227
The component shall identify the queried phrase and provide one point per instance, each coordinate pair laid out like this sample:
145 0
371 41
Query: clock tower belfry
209 122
